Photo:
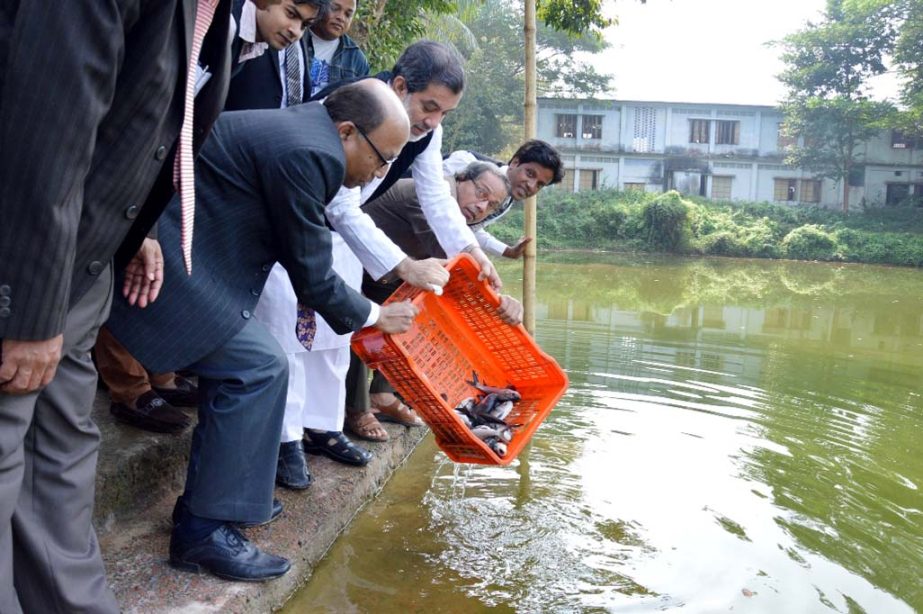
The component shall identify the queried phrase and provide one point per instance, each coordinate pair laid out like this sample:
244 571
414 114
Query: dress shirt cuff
374 312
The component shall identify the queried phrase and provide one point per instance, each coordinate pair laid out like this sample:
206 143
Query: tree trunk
529 129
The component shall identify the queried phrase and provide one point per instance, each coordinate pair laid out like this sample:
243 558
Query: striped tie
292 75
183 169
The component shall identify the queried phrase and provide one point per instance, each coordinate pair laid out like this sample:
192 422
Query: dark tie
292 75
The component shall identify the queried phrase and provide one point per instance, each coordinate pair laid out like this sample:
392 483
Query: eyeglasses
483 193
384 161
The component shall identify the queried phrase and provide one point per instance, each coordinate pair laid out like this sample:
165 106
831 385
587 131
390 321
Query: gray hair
475 169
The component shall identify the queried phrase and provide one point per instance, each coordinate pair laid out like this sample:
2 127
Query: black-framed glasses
384 161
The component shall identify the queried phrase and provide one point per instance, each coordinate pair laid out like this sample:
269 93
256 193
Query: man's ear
514 162
399 85
346 129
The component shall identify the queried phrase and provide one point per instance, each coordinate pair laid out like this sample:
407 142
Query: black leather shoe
151 413
186 394
292 467
276 512
337 446
227 554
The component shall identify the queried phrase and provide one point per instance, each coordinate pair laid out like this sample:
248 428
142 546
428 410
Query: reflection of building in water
699 337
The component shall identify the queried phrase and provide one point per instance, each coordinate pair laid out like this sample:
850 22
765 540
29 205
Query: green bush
639 221
723 244
666 222
810 242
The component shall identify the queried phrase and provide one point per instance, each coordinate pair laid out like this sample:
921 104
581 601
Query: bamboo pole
529 130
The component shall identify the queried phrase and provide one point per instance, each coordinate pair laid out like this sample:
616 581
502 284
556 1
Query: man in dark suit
91 103
271 70
147 400
263 180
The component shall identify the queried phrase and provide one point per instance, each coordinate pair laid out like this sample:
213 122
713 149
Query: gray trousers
49 557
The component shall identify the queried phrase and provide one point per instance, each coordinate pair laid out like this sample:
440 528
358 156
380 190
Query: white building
713 150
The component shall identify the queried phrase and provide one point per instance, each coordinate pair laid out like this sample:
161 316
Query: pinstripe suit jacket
262 181
91 102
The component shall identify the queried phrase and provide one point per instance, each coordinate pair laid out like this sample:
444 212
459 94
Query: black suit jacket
91 102
256 83
262 182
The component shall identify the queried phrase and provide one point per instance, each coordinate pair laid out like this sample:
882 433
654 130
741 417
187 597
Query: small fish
504 394
502 409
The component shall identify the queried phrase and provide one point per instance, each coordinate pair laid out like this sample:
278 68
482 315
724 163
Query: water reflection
737 435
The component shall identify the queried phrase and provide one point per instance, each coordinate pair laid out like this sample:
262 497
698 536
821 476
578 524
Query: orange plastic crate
453 335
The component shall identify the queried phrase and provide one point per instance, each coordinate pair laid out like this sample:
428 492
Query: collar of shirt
250 49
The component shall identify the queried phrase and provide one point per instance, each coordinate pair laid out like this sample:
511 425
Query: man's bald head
373 127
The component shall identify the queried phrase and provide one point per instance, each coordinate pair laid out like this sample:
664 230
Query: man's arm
52 53
490 243
436 200
295 185
378 253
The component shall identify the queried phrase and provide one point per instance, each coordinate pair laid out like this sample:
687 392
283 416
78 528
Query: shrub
665 220
723 244
809 242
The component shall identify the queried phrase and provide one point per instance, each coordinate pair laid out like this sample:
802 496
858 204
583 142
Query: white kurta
316 382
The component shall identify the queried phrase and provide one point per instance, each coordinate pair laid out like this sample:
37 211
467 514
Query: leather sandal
397 413
337 446
363 425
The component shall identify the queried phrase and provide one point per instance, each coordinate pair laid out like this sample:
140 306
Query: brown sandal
398 413
364 425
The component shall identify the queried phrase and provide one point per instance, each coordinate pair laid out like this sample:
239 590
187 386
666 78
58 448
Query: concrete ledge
136 469
134 534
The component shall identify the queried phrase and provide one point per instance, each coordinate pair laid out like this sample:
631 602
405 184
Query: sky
710 51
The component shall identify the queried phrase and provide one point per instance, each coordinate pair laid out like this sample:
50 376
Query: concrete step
136 469
139 476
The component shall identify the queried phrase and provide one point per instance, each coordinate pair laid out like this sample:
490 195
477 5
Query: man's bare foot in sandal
365 426
388 408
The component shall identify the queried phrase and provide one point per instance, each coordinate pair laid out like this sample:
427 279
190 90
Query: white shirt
377 253
320 63
250 49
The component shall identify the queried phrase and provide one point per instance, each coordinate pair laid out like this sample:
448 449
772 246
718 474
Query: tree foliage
829 65
489 118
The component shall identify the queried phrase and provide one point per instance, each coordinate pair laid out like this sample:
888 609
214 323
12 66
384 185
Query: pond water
738 436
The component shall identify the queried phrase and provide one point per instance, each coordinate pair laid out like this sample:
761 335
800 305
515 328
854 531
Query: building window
589 179
897 193
567 126
645 127
630 186
899 140
785 190
810 191
698 130
721 187
592 127
727 132
784 140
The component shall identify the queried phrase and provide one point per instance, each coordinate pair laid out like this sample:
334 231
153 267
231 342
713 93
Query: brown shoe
151 413
364 426
398 413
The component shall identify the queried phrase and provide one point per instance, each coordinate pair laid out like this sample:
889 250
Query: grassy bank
637 221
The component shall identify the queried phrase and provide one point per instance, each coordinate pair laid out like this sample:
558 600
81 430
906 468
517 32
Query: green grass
671 223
